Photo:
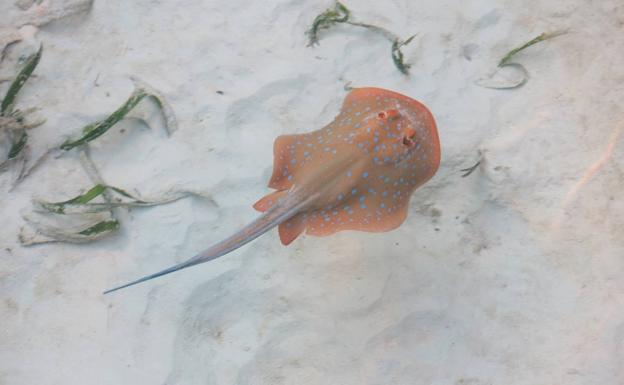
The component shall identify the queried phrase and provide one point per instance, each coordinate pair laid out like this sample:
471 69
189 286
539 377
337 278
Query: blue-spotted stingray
356 173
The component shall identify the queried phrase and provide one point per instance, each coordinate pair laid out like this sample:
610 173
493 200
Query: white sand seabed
513 275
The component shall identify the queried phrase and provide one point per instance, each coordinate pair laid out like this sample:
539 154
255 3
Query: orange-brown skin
363 166
356 173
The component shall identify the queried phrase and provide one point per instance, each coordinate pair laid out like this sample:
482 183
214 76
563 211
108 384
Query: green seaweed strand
331 16
18 146
397 55
18 83
543 36
341 14
100 227
59 207
95 130
87 197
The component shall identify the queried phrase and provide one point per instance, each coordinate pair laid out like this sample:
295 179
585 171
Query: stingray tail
261 225
152 276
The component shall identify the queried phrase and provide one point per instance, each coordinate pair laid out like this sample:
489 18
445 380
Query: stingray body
356 173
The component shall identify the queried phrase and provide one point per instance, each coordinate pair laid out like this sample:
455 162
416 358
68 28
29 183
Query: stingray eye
388 114
410 138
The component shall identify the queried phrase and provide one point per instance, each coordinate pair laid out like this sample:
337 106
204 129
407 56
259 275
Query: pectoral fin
288 156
